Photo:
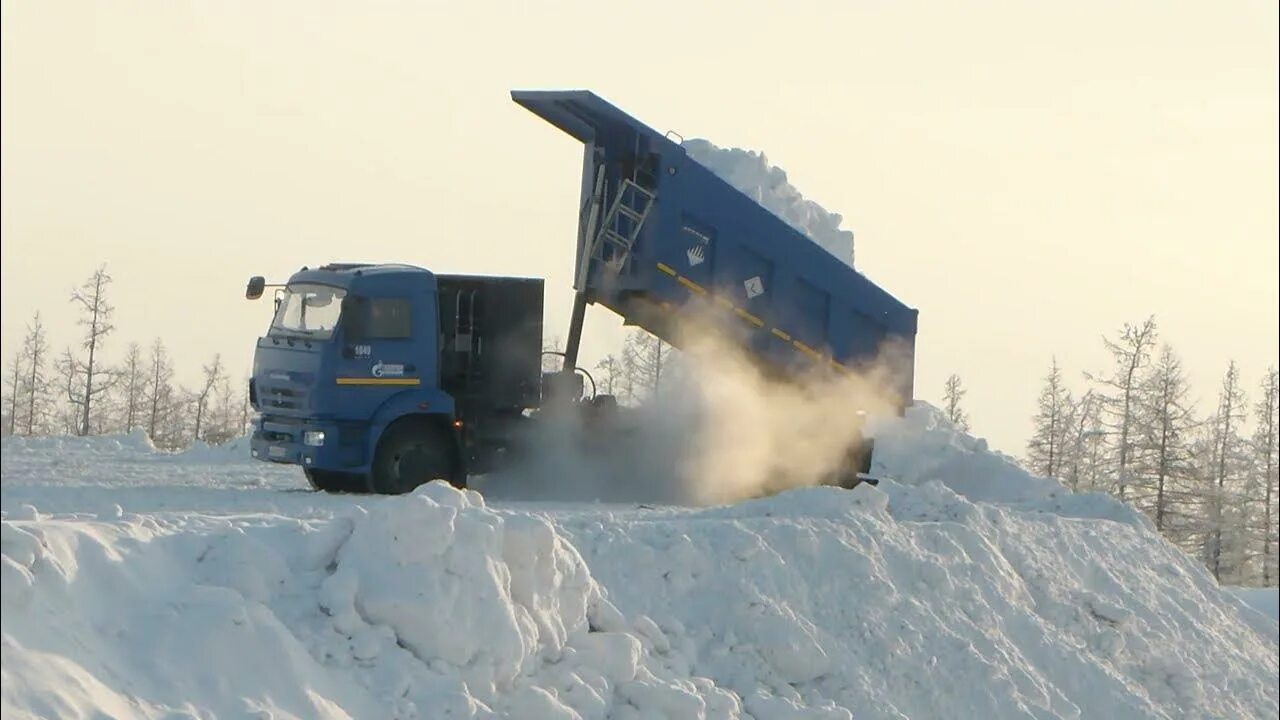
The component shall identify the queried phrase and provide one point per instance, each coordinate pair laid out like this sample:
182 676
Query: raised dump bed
661 236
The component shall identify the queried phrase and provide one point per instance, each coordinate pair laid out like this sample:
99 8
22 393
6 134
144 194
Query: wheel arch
418 403
438 423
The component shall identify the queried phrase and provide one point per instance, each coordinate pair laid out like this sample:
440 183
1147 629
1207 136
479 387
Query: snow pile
1264 600
505 612
100 466
915 602
231 451
81 449
751 173
429 605
965 588
924 447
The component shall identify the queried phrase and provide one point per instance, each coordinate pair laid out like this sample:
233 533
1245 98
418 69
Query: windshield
308 310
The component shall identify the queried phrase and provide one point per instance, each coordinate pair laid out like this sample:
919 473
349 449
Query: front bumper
281 440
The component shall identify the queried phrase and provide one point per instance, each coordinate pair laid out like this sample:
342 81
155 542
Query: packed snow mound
924 447
231 451
101 466
429 605
934 595
751 173
1264 600
134 444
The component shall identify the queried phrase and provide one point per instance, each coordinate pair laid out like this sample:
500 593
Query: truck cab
377 378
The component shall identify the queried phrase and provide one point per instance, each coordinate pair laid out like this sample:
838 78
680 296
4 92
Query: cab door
388 345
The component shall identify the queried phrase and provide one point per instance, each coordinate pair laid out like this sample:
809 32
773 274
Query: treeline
641 367
1206 477
79 392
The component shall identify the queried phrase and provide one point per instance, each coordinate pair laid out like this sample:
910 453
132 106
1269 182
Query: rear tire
332 481
857 461
412 453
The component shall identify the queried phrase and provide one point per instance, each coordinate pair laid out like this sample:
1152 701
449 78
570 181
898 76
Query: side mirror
254 289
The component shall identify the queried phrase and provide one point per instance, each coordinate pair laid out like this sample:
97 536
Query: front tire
412 453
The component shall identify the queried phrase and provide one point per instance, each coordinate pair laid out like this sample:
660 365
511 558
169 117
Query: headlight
314 438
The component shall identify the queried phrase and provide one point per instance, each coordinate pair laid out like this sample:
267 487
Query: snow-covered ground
202 584
1264 600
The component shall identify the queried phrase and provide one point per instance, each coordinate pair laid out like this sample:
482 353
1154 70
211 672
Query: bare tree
212 376
1044 451
611 375
1130 353
96 320
159 389
1166 433
1227 446
1082 448
552 355
14 389
645 361
133 383
1266 449
245 407
71 414
35 391
952 393
223 412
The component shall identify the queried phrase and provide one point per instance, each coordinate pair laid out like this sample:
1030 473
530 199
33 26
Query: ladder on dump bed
622 225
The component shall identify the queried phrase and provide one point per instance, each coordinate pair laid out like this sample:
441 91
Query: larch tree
1266 469
159 390
35 390
1130 354
1082 463
1044 451
647 360
245 407
212 376
552 354
71 413
1226 463
95 318
610 373
224 413
1165 435
133 385
13 386
953 391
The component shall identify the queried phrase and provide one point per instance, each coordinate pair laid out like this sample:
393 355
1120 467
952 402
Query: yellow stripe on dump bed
693 286
782 334
378 381
749 317
667 269
806 349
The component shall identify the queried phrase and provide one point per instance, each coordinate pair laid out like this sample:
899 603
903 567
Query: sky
1029 175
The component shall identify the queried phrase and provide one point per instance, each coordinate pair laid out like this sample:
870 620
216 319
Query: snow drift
751 173
937 595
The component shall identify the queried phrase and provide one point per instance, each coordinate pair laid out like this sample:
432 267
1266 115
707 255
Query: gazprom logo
381 369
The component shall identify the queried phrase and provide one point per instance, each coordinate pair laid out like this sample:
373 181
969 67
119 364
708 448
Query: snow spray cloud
719 430
751 434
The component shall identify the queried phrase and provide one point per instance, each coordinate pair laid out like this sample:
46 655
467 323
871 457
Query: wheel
857 462
335 482
410 454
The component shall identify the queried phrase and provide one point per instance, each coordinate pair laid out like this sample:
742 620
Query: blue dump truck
380 377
